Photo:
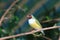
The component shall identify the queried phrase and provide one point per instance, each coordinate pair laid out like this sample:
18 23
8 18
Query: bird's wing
38 23
40 26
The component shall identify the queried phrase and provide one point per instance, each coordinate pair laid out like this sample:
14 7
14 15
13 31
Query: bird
34 23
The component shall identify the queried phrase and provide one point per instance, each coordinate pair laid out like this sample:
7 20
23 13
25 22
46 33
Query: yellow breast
35 25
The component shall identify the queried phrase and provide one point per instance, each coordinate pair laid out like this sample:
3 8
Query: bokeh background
15 22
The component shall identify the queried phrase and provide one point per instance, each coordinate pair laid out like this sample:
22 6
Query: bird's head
29 16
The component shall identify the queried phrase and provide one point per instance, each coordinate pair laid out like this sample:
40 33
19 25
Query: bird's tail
42 32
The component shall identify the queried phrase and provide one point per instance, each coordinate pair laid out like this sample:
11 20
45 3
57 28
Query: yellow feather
35 25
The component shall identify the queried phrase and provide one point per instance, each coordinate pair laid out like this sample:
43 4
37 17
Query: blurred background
15 21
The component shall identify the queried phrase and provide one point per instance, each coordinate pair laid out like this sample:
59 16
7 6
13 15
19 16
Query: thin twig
54 20
59 38
1 39
47 38
34 31
6 12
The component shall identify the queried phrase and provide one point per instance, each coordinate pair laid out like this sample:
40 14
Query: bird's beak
29 17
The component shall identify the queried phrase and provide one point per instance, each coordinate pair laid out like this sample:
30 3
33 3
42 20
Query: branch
47 38
34 31
59 37
6 12
53 20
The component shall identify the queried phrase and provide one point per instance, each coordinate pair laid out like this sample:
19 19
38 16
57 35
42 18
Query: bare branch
2 18
1 39
59 37
34 31
56 19
47 38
